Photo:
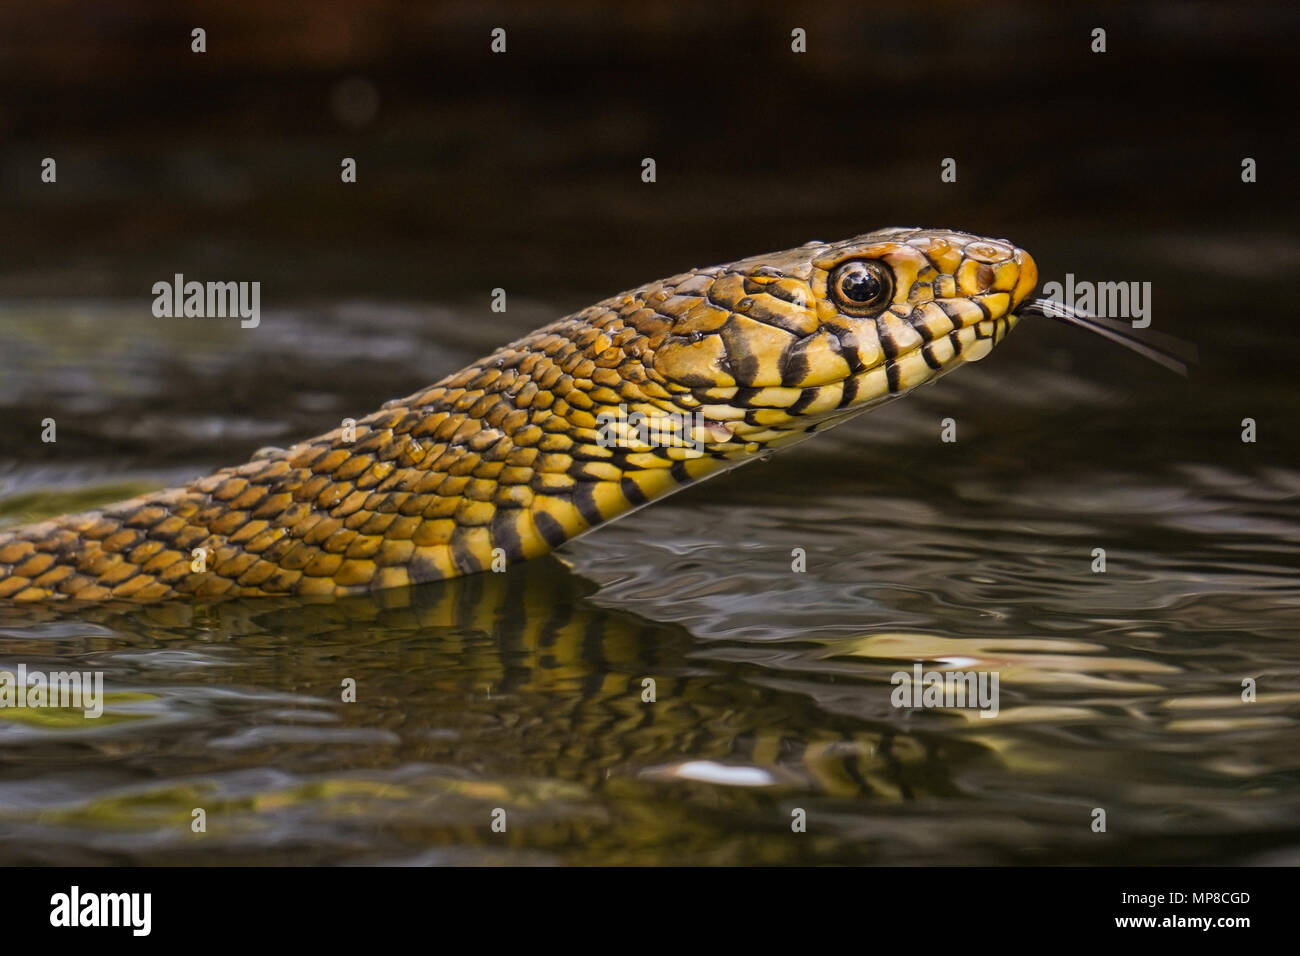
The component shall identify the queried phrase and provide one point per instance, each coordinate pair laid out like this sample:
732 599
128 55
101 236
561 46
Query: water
524 691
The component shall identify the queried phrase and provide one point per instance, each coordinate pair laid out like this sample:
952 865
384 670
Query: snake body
545 438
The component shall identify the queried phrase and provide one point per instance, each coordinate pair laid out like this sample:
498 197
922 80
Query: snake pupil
861 286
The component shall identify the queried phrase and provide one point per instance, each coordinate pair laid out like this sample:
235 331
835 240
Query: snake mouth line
1173 353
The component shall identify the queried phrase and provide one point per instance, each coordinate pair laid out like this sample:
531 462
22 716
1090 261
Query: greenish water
523 691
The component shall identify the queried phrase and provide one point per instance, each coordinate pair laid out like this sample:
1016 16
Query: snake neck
495 464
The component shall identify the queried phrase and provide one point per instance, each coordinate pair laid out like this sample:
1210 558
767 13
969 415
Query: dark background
524 168
522 171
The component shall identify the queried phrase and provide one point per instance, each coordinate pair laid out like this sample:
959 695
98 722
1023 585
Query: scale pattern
539 441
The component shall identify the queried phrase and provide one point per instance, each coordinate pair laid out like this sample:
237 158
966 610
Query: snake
578 423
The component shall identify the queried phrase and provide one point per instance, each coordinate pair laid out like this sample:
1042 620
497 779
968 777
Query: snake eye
861 287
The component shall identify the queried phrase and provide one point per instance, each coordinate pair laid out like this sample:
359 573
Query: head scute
824 329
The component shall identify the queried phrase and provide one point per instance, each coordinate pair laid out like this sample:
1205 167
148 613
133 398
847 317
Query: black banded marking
806 398
928 354
847 352
850 392
549 529
505 533
923 329
743 363
420 569
462 557
632 491
584 500
794 365
885 335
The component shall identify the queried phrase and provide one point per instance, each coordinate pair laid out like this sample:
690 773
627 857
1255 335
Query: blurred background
523 171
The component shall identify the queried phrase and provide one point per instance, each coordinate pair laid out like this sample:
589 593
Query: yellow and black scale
511 456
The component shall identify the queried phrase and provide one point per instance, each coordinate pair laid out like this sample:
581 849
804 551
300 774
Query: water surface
523 691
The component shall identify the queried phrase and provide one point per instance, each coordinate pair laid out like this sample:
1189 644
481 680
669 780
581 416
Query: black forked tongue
1174 354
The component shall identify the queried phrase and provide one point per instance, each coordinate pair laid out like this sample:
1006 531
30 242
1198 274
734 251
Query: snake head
827 327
